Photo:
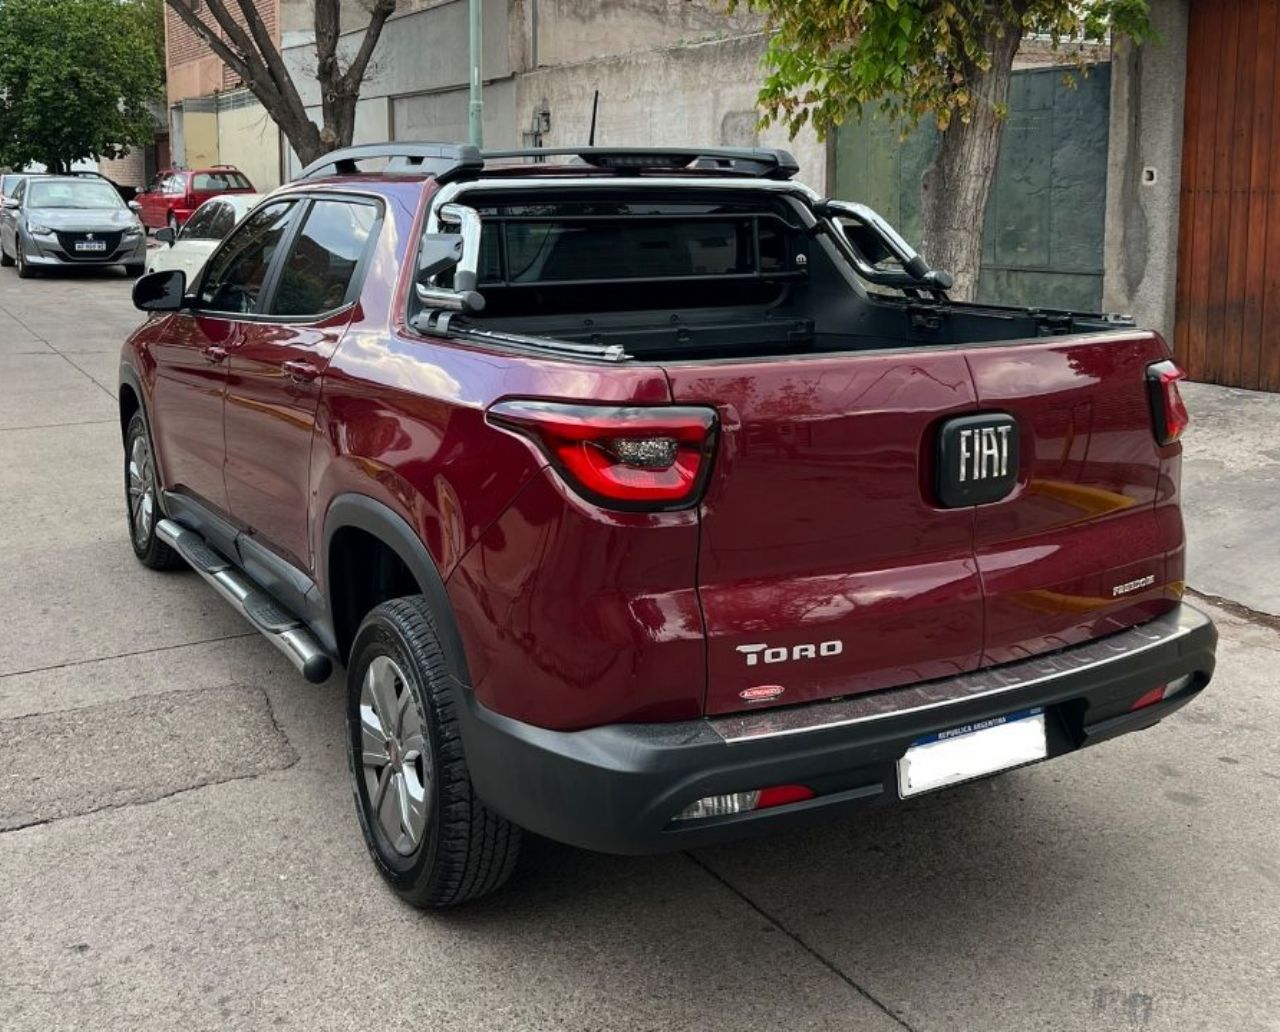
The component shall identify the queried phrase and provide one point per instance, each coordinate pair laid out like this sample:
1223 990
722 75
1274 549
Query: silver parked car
68 220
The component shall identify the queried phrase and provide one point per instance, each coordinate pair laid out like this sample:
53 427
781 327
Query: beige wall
200 133
248 139
194 79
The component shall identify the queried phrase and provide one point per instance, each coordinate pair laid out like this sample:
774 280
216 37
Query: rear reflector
620 457
1148 698
1168 411
1160 693
743 802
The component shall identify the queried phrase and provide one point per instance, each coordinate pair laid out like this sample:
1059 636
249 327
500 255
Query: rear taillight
620 457
1168 411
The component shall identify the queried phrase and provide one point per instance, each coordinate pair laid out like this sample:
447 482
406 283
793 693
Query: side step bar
280 627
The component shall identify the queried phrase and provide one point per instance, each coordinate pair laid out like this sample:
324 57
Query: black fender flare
129 378
389 527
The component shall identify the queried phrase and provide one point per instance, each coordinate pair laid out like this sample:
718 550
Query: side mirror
134 206
11 204
440 253
166 235
163 291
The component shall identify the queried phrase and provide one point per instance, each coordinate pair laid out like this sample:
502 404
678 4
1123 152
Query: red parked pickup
175 193
650 499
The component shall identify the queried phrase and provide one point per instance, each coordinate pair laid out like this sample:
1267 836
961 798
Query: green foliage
76 77
828 59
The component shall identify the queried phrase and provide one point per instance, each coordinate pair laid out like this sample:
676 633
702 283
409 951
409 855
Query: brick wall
131 170
183 46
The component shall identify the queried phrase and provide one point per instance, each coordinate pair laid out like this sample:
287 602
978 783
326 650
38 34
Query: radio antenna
595 106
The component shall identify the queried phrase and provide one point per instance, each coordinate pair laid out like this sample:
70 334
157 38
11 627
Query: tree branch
204 30
378 16
270 54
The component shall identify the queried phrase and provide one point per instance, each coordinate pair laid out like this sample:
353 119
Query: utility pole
475 110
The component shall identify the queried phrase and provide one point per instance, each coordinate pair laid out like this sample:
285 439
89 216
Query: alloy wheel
395 756
142 490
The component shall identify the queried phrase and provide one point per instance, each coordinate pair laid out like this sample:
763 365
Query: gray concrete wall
699 94
419 51
669 72
1144 171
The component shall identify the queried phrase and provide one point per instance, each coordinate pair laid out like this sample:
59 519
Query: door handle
214 353
300 371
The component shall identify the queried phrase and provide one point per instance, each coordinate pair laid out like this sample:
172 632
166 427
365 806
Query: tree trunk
956 186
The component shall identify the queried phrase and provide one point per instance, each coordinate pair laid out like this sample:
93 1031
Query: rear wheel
432 839
142 499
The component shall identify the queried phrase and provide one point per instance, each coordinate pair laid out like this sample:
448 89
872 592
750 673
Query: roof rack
448 161
760 162
444 161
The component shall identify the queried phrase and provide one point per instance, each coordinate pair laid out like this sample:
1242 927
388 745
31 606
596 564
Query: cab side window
235 275
321 265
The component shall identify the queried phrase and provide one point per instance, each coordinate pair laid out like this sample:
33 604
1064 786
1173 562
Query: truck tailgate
830 565
1079 548
824 569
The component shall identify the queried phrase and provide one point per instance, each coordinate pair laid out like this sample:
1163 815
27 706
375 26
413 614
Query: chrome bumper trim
894 702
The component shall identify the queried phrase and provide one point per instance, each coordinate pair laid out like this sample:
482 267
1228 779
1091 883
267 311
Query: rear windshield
62 193
717 252
219 182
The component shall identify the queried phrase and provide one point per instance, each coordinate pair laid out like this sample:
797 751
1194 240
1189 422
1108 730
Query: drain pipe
475 110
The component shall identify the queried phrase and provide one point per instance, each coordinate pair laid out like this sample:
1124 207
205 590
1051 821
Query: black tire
5 260
465 850
134 271
149 549
24 270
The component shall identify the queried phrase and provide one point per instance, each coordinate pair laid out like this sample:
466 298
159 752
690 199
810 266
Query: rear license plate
968 752
90 245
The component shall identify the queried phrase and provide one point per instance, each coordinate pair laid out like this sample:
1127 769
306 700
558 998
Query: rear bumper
616 788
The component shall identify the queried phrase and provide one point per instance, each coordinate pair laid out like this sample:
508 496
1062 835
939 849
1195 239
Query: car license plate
90 245
971 751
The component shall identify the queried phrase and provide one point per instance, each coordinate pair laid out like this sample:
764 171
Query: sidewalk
1231 494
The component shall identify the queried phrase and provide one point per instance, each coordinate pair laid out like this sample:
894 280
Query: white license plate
968 752
91 245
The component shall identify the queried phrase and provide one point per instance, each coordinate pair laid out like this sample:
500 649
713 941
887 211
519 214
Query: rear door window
320 269
200 225
236 274
218 182
224 221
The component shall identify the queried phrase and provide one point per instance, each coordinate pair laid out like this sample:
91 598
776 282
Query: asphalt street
179 850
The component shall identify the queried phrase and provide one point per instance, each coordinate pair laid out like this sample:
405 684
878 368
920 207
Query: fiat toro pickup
650 499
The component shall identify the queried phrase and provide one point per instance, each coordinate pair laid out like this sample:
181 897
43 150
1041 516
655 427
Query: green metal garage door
1042 243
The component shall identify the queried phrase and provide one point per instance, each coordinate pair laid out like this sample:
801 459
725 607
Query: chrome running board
280 627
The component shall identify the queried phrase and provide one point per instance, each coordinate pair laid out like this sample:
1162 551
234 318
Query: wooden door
1228 302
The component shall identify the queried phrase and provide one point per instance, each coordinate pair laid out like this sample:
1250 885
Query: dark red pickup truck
650 499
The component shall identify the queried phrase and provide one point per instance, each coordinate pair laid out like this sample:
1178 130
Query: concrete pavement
182 849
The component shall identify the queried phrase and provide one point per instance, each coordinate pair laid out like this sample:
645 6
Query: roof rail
761 162
444 161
